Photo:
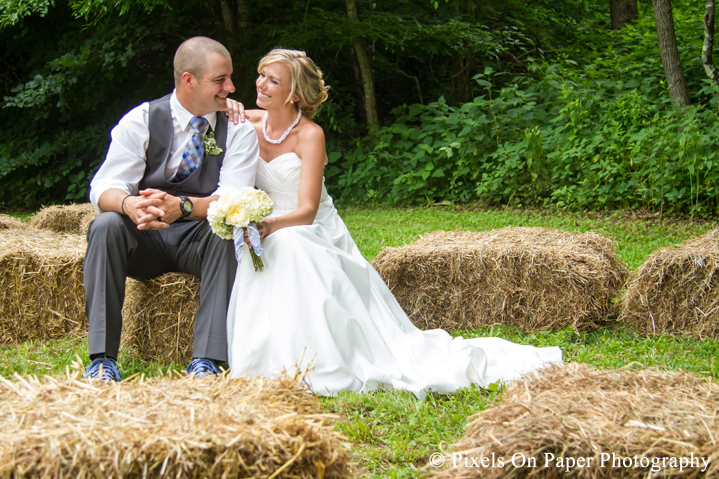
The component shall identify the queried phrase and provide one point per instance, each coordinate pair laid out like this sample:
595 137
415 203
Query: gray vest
204 180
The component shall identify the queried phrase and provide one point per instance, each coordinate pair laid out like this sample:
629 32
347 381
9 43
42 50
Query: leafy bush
604 145
602 134
73 67
58 116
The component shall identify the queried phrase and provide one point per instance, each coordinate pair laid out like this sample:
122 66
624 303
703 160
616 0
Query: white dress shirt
125 162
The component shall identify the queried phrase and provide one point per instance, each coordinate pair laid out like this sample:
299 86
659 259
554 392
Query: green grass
373 230
53 357
21 215
392 433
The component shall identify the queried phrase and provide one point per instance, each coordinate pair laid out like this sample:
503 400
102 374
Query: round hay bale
8 222
166 427
533 278
65 218
574 421
41 285
159 317
676 291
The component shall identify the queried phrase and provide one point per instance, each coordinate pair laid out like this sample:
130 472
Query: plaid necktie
194 151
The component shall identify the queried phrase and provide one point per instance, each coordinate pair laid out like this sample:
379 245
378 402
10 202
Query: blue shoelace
104 369
202 368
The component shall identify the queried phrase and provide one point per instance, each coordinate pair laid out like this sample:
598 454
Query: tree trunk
243 14
365 64
622 12
229 21
228 16
461 73
708 47
461 67
668 50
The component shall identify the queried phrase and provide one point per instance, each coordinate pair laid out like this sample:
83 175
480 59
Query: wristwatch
185 206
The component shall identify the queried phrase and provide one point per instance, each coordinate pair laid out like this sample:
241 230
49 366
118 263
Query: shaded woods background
503 101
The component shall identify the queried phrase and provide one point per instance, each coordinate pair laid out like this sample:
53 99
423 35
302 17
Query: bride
318 301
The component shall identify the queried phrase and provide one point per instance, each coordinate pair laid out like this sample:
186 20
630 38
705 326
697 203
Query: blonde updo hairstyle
305 79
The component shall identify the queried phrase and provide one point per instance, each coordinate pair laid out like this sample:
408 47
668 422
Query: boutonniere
211 145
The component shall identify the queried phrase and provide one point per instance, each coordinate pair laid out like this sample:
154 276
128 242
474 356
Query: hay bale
65 218
159 317
8 222
41 285
533 278
165 427
676 291
612 419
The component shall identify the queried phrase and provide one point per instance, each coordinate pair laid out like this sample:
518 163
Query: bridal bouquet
237 210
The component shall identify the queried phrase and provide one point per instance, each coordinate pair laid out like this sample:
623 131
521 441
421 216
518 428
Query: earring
291 102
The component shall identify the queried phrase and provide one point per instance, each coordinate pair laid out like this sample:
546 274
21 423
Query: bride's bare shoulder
311 131
312 142
255 116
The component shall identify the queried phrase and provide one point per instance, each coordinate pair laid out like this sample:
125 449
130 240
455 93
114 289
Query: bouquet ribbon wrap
237 211
238 234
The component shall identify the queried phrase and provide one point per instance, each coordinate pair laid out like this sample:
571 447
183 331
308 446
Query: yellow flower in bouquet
239 209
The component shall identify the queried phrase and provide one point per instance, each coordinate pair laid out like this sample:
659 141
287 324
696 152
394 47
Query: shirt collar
183 116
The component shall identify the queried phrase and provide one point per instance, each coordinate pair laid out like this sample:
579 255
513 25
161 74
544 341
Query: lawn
392 433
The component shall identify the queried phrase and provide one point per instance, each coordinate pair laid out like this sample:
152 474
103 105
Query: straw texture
8 222
159 317
41 285
676 291
167 427
573 411
65 218
533 278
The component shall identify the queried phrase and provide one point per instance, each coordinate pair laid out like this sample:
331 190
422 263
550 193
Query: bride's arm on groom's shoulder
311 149
235 111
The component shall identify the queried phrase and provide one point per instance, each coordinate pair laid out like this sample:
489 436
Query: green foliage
565 111
97 10
597 135
51 150
13 11
73 67
58 116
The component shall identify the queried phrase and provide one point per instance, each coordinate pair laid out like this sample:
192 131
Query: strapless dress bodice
280 178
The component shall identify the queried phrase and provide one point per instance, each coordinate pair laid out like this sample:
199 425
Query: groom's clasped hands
154 209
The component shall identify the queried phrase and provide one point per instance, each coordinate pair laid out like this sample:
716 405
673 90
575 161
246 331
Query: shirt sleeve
125 162
240 163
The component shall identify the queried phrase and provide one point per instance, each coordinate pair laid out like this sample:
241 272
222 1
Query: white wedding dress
320 302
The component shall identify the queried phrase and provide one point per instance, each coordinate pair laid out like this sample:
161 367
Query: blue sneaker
104 369
202 368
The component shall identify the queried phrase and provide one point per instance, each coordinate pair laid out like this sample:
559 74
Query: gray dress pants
116 249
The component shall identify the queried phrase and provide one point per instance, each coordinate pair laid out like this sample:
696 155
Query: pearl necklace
284 135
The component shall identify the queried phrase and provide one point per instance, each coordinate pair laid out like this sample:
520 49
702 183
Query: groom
153 191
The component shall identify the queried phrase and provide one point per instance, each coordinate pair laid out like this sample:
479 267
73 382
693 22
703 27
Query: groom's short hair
191 56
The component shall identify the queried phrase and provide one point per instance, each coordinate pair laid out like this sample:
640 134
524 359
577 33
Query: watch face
186 206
